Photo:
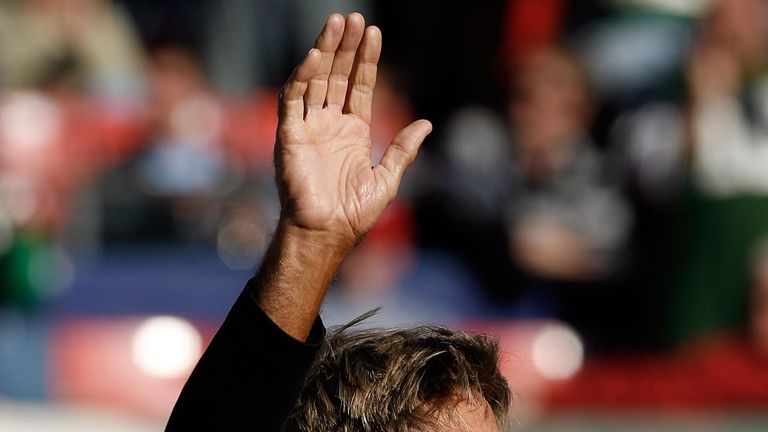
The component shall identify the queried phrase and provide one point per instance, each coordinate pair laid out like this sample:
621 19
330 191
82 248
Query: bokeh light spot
166 347
558 352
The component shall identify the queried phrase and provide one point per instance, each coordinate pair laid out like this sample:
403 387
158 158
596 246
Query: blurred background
595 194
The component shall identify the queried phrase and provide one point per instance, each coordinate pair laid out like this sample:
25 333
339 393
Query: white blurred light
29 121
558 352
166 347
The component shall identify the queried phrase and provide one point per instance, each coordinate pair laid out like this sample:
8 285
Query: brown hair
399 380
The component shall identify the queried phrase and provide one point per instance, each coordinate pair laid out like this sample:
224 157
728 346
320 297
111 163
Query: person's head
424 379
740 27
550 105
175 73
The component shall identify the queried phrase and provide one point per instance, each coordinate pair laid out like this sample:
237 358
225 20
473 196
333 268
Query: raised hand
325 177
331 195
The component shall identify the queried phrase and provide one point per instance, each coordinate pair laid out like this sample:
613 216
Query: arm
330 196
729 155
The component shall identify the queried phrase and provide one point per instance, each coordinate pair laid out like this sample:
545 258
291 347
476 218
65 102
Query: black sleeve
249 377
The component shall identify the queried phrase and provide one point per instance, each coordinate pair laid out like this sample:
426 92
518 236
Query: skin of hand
548 248
330 192
713 73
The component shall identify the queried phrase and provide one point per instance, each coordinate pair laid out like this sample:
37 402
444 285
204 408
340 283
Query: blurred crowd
603 163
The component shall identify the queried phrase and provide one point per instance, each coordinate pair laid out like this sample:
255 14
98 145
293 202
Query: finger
360 91
343 60
291 99
401 153
327 43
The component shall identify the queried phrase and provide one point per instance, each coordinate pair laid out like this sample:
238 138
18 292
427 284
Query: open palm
323 152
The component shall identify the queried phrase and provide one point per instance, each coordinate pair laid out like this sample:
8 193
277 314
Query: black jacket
249 376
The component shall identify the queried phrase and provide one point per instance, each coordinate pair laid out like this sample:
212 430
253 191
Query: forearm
730 156
294 277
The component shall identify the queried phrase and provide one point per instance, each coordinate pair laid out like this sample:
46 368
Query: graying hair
399 380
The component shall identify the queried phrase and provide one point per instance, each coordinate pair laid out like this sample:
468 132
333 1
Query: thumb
402 151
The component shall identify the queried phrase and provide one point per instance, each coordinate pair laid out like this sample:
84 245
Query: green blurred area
710 289
26 271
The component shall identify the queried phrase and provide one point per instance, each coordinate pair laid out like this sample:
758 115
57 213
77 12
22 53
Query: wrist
327 242
292 281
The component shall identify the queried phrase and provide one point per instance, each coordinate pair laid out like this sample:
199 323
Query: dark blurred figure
533 212
188 184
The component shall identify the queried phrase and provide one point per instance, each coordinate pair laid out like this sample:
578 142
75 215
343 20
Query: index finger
291 99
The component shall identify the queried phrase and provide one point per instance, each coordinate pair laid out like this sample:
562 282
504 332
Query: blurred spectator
568 224
540 177
94 38
166 188
54 139
203 175
186 155
728 79
51 148
725 203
